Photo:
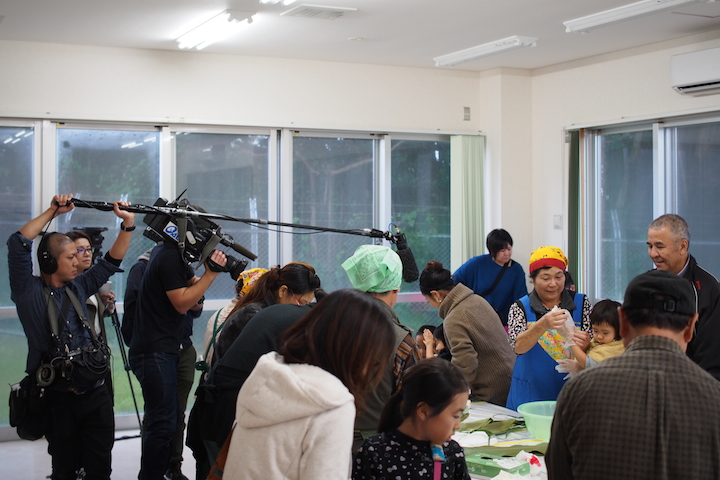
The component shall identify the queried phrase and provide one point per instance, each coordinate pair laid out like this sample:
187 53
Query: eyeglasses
83 251
297 300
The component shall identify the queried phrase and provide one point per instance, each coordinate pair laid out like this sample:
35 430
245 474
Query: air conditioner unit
696 73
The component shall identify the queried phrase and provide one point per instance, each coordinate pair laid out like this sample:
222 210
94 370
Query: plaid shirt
406 355
650 413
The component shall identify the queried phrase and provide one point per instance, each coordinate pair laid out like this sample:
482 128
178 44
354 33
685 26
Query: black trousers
81 434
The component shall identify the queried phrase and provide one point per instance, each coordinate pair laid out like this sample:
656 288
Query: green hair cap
374 268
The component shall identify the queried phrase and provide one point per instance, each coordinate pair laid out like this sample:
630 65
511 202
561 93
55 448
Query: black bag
29 409
89 364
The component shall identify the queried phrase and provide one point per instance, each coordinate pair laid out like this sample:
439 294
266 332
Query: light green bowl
538 418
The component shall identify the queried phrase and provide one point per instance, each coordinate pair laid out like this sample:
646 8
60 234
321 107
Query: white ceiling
392 32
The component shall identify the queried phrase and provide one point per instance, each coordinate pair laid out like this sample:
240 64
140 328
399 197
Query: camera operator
81 424
168 290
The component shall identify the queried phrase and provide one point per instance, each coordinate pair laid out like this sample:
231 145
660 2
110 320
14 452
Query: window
108 165
636 175
623 192
16 193
694 166
332 187
322 179
421 207
227 174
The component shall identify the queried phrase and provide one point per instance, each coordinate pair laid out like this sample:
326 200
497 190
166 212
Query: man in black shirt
169 289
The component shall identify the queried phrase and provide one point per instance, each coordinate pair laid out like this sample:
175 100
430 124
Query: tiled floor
30 460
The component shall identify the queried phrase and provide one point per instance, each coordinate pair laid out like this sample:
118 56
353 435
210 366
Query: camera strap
53 312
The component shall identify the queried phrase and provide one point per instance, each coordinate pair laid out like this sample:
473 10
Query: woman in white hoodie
295 412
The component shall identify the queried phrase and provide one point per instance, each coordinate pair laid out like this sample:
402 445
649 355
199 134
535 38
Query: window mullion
661 188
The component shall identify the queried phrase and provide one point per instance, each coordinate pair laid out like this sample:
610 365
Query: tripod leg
126 366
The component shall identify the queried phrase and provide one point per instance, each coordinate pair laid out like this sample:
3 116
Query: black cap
661 290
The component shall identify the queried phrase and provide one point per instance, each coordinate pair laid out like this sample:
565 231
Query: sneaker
174 473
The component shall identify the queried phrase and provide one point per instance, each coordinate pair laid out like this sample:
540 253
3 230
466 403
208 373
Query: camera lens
234 266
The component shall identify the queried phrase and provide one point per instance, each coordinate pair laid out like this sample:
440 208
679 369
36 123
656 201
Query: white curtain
467 233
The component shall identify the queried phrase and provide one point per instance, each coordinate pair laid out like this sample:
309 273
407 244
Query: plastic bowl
538 418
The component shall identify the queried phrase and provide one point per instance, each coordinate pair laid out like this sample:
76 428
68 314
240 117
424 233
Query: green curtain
467 155
574 204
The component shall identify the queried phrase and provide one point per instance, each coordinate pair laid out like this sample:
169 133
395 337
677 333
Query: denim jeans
157 373
186 377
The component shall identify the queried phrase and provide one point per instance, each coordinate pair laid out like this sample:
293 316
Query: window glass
16 192
624 202
697 183
227 174
16 188
332 187
108 165
421 210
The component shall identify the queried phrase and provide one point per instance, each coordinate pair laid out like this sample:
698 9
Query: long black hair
434 382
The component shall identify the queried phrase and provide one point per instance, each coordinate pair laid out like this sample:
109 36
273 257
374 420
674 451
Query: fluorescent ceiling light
220 26
485 50
626 12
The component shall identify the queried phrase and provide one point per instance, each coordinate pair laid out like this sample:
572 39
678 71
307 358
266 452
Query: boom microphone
410 272
228 242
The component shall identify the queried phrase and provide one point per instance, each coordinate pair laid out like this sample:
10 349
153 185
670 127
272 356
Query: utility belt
84 368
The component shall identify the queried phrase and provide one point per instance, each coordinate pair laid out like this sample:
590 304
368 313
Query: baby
606 340
435 344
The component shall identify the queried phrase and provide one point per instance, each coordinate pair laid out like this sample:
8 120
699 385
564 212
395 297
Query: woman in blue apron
536 328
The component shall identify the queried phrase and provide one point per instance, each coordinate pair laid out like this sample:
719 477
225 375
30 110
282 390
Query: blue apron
534 377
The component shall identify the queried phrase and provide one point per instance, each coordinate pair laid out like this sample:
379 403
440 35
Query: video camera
195 235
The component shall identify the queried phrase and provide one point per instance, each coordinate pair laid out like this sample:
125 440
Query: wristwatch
126 229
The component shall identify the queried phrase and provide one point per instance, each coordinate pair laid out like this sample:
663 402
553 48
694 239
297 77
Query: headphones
48 263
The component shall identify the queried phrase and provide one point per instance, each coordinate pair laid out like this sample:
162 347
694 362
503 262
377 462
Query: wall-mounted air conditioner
696 73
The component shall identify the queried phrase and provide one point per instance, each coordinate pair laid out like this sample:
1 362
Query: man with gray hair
377 270
668 243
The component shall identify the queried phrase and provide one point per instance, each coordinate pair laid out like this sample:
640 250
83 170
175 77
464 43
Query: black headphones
48 263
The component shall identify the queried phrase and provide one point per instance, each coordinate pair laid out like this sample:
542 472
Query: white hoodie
292 422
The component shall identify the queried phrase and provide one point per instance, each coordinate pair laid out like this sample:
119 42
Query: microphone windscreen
410 271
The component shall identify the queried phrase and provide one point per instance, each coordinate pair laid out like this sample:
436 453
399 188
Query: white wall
68 81
506 118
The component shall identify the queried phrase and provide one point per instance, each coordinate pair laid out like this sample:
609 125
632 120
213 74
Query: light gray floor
30 460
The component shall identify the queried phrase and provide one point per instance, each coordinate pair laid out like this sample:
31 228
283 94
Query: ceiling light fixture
624 13
484 50
218 27
275 2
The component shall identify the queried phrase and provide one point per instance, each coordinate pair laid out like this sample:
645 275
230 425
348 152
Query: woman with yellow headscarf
542 326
